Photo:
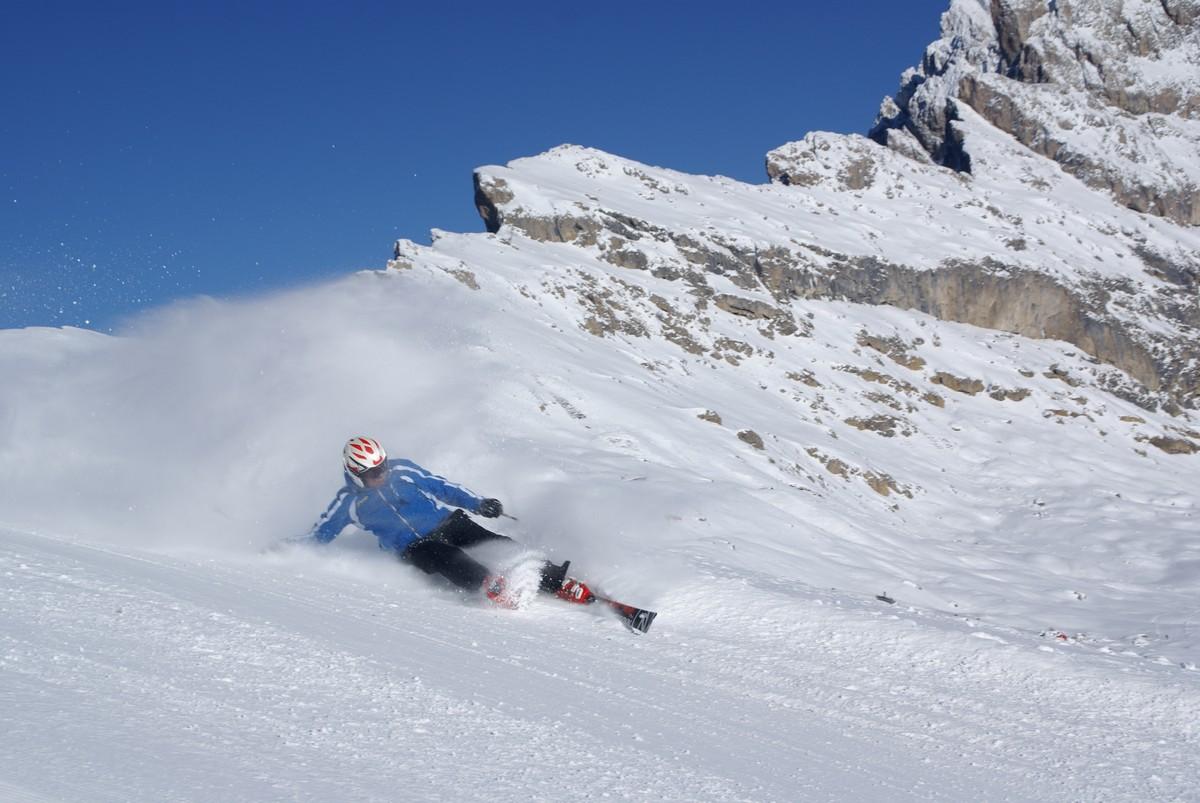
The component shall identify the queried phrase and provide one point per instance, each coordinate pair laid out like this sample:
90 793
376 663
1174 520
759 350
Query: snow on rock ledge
1018 246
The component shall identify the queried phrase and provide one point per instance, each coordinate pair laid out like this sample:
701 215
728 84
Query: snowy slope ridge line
1018 246
210 654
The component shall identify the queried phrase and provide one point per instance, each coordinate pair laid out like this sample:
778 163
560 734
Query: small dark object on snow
885 598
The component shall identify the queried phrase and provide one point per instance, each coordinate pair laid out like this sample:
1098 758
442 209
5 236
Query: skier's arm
442 488
334 519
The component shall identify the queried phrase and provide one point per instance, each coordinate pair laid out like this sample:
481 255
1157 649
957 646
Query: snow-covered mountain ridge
920 237
1018 243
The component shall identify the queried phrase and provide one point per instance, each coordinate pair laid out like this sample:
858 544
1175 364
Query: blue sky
162 150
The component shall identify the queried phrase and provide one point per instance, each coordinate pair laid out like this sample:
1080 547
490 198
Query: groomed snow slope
135 676
1043 644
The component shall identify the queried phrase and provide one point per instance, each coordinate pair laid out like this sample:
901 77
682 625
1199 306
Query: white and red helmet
361 455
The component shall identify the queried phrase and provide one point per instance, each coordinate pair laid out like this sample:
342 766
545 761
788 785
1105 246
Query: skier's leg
437 557
460 531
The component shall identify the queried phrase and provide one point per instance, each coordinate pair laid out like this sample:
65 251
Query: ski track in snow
137 676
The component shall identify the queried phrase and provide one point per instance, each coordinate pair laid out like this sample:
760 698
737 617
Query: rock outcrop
1108 89
1061 123
1130 300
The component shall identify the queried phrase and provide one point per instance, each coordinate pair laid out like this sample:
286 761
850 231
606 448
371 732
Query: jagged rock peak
1110 89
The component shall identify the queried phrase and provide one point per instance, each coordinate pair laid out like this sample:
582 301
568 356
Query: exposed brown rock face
957 383
751 437
990 294
886 425
1178 201
1175 445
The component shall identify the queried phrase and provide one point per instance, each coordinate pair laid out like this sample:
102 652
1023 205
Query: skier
406 508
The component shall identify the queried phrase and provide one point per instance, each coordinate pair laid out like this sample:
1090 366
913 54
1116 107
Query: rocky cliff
970 213
1109 90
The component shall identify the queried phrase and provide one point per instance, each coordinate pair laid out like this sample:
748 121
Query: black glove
490 508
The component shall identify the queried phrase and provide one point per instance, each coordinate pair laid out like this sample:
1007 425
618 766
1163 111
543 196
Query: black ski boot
553 577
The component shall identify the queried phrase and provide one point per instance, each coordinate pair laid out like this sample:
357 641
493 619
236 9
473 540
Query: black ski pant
441 552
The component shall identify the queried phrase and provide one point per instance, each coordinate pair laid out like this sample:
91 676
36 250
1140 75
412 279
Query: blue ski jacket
409 506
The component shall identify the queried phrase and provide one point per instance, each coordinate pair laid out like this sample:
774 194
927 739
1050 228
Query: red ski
636 619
